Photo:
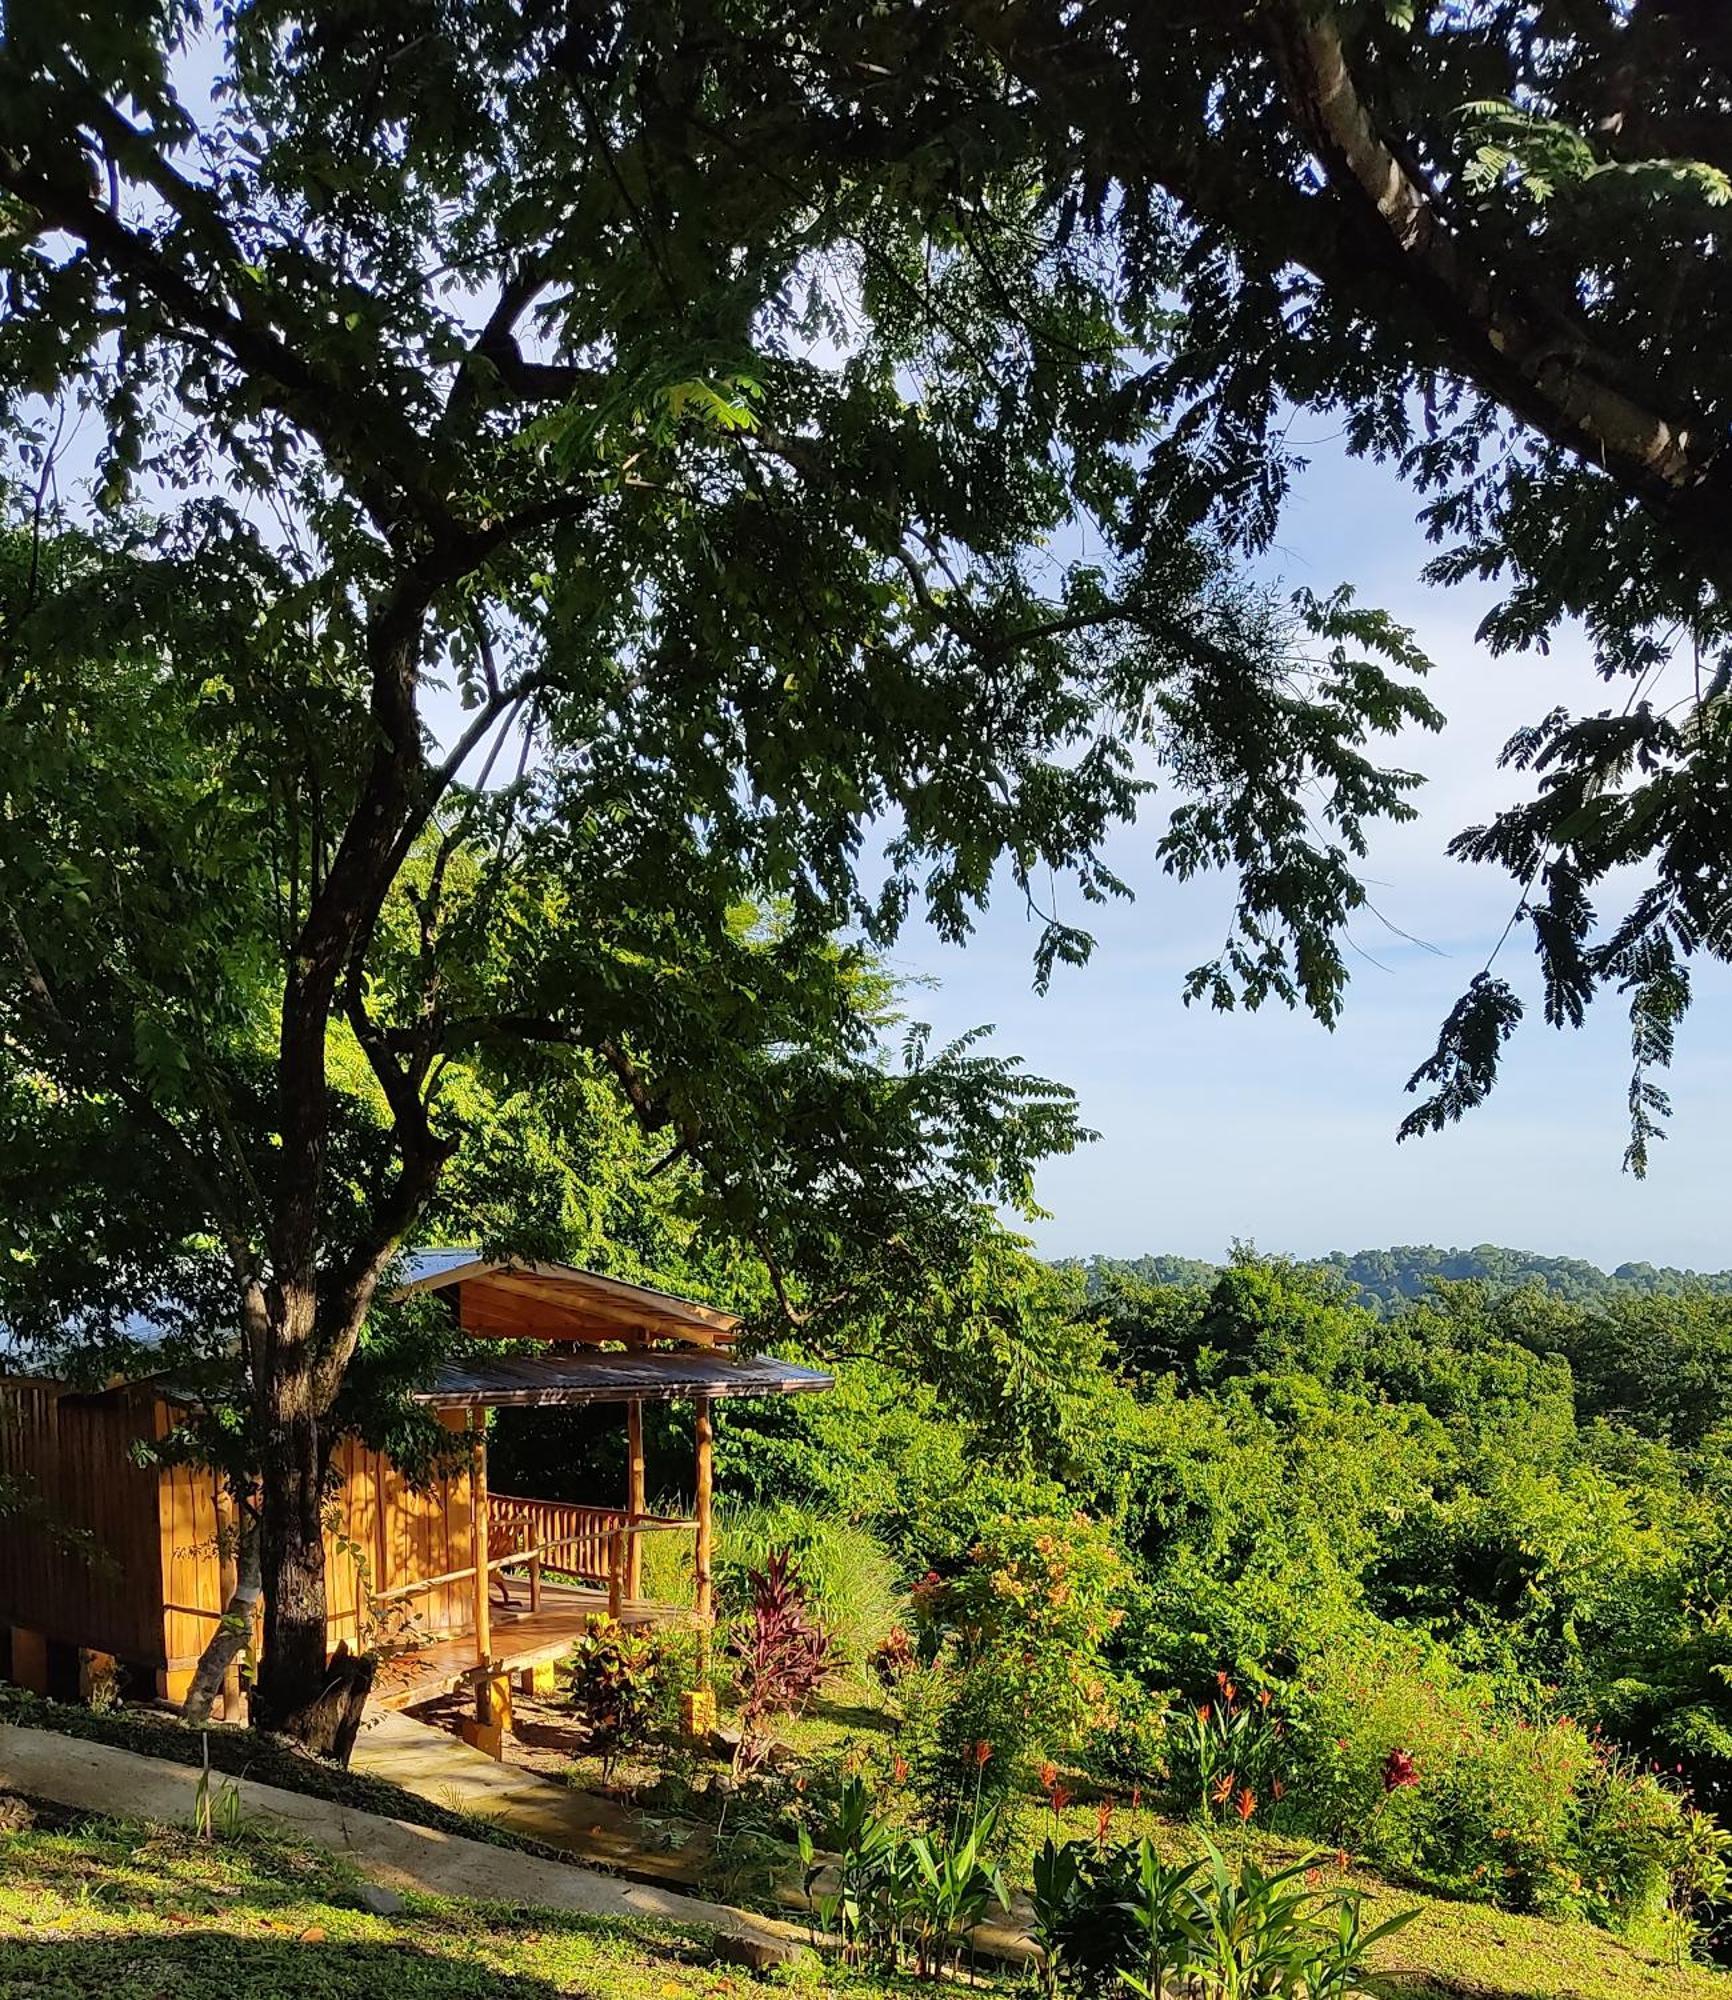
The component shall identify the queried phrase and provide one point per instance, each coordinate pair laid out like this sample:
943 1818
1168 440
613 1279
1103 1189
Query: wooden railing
578 1540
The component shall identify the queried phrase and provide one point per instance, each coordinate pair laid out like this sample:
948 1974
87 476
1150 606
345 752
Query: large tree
1491 237
565 479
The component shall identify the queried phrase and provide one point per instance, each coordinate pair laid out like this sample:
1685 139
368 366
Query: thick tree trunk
232 1634
292 1549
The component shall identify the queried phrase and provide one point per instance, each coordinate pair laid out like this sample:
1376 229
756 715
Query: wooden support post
634 1497
535 1579
705 1476
228 1582
479 1530
699 1706
615 1572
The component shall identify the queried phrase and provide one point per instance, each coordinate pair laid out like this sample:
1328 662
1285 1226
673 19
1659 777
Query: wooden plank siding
142 1575
91 1572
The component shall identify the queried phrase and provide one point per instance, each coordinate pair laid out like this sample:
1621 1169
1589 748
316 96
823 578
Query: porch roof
591 1375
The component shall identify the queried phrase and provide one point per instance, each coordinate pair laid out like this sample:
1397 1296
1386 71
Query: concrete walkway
438 1767
95 1777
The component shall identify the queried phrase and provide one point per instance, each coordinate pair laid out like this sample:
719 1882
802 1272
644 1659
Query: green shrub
1403 1757
1016 1656
611 1675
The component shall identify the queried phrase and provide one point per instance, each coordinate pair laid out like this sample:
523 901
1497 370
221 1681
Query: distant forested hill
1385 1277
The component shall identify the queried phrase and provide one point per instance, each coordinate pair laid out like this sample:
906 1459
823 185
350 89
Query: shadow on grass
850 1715
219 1965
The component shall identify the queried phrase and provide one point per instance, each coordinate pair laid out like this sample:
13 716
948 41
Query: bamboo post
700 1703
479 1525
634 1497
705 1476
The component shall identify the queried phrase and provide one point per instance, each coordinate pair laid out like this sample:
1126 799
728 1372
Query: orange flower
1222 1789
1204 1711
982 1754
1103 1818
899 1769
1058 1798
1245 1804
1048 1775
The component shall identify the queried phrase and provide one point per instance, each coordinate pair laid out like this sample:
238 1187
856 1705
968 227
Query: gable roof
523 1299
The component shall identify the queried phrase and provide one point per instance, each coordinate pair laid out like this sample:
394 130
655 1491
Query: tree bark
235 1628
292 1544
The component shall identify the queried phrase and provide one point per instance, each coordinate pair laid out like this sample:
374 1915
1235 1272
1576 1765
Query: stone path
436 1766
96 1777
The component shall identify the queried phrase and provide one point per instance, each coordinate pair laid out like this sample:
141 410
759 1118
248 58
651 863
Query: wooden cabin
454 1584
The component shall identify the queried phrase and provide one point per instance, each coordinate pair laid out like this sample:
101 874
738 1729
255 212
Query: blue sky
1269 1127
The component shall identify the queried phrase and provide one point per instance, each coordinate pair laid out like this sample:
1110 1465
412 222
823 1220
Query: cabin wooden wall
386 1534
151 1584
99 1583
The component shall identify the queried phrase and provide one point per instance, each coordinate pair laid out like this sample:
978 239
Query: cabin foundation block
536 1680
29 1659
698 1712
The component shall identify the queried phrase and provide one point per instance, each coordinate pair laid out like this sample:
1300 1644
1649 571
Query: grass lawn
132 1914
97 1907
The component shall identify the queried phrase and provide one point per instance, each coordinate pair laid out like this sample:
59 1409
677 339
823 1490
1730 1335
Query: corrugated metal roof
612 1376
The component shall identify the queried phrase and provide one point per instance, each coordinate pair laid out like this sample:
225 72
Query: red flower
1245 1804
1103 1818
899 1769
1048 1776
1136 1798
1058 1798
982 1754
1399 1771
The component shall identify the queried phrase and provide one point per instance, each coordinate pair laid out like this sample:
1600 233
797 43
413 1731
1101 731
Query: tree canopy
725 444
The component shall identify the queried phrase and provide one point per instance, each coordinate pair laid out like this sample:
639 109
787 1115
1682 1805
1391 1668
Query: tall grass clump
846 1576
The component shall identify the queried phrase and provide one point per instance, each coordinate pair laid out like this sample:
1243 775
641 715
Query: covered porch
543 1568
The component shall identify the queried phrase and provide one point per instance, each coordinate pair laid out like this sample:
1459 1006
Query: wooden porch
550 1567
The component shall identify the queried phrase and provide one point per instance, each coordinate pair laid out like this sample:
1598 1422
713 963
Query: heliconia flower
1048 1776
1136 1798
1279 1789
982 1754
1058 1798
1245 1804
1204 1711
1399 1771
1264 1697
1103 1818
1222 1789
899 1769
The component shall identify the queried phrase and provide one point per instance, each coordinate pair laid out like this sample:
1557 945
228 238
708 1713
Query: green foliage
845 1575
898 1897
1015 1651
1111 1918
611 1676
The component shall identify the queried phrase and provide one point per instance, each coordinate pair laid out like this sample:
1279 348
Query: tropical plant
611 1676
782 1654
